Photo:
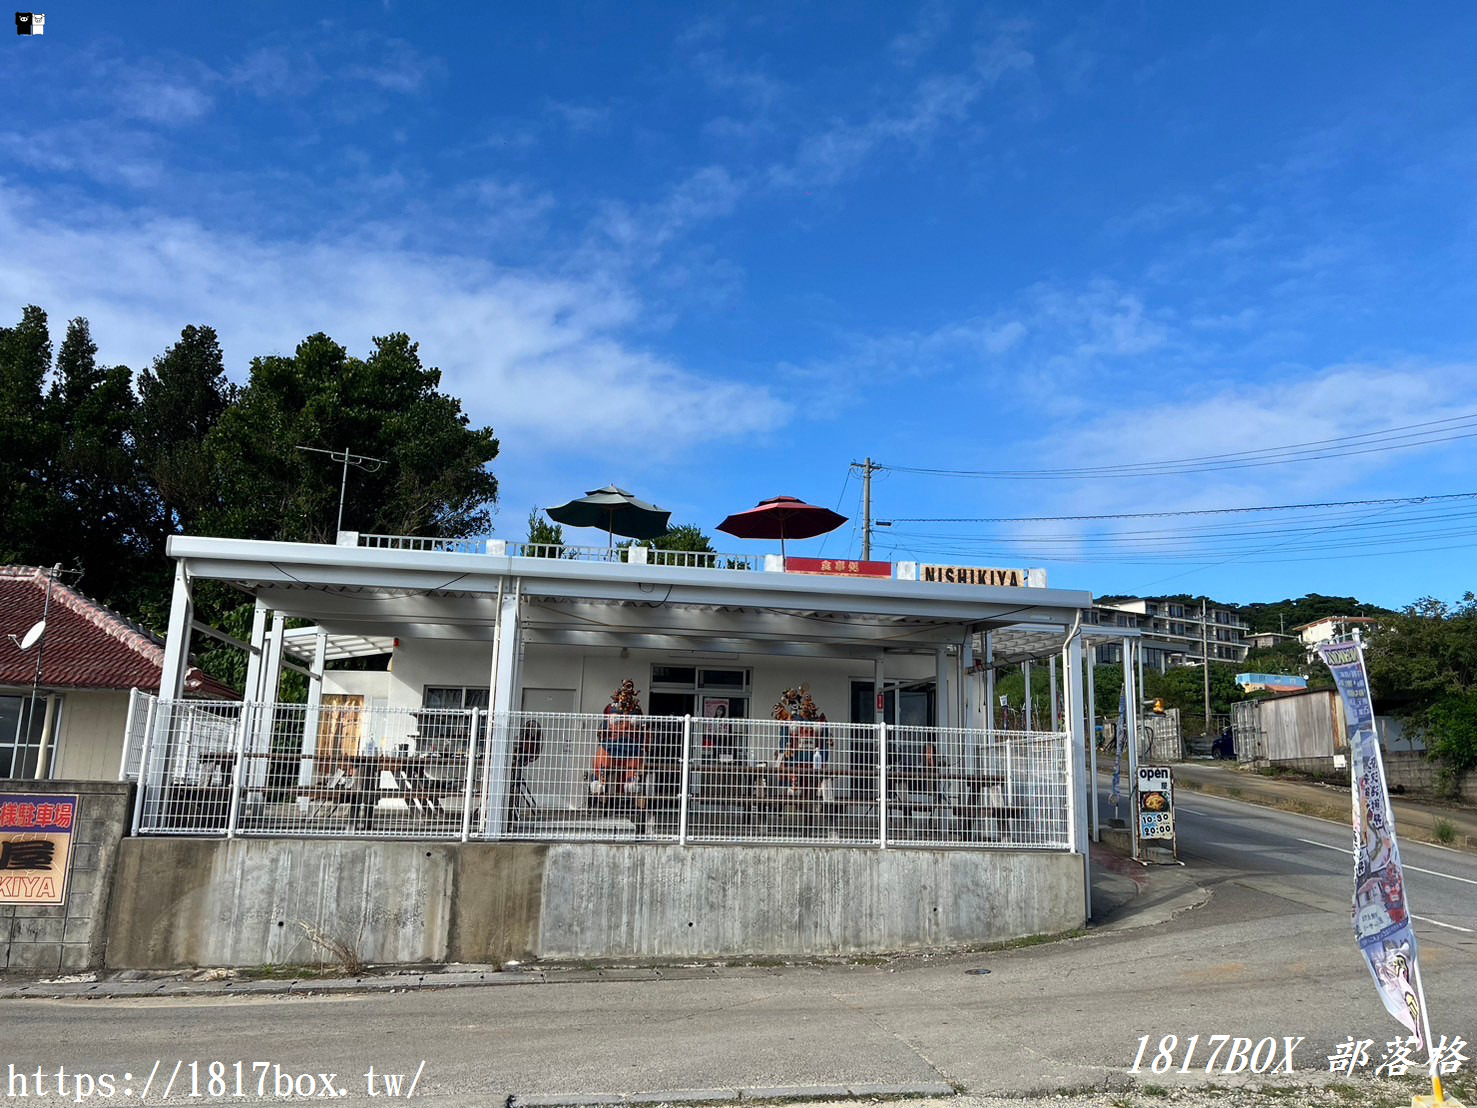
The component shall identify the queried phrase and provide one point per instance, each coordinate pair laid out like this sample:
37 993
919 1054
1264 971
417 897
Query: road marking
1416 869
1438 923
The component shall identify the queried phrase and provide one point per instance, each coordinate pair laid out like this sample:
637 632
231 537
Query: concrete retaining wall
69 937
256 902
1415 772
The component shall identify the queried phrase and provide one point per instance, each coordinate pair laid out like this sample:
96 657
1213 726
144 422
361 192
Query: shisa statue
620 758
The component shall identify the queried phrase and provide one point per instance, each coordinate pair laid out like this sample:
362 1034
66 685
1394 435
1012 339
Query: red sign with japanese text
35 847
838 567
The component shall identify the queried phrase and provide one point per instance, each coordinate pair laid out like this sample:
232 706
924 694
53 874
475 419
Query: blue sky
717 253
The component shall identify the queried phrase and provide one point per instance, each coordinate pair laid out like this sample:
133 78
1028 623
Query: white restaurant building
486 732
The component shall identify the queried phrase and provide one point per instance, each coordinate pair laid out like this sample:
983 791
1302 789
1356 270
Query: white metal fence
221 768
635 555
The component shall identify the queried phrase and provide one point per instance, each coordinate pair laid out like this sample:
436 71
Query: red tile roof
87 646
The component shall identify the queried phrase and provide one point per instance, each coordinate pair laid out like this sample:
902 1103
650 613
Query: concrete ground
1249 939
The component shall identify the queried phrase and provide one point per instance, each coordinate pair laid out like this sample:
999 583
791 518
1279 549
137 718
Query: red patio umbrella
782 517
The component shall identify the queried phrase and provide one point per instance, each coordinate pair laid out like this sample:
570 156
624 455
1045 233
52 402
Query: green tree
1423 667
545 538
27 440
680 542
97 503
181 399
1183 687
434 480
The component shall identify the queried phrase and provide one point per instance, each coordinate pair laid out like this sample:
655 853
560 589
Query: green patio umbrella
615 511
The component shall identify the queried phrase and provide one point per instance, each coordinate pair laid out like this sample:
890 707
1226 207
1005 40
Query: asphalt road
1302 856
1270 955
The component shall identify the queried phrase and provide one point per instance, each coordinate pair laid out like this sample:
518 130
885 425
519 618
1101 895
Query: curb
734 1096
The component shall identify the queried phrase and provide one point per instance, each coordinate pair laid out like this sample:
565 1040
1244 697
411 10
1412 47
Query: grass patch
335 948
1154 1090
1034 940
1234 792
1444 831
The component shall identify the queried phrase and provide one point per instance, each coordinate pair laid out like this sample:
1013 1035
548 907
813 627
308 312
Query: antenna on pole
359 461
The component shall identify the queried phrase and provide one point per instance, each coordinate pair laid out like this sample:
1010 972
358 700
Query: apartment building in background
1173 634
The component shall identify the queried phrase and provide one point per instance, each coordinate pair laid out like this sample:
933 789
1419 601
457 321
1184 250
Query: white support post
253 690
129 735
176 653
879 690
990 698
686 778
1077 757
313 713
472 732
990 686
1030 708
177 644
243 728
143 766
261 746
1057 723
1097 831
968 717
504 701
882 784
941 695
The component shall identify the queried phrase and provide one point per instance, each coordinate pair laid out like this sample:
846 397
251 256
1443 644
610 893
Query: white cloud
1004 54
164 100
541 358
579 118
1196 419
930 26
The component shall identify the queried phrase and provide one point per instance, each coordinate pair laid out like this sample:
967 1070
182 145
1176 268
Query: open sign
1155 802
1155 779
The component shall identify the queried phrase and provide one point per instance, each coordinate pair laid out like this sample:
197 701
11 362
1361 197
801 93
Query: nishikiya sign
973 575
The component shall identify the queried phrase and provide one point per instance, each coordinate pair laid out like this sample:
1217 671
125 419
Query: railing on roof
634 555
418 542
227 768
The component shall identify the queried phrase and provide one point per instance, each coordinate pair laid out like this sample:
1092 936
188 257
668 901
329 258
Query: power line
1404 437
1189 511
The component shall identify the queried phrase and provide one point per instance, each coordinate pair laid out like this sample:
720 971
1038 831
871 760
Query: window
21 721
698 690
1177 611
455 697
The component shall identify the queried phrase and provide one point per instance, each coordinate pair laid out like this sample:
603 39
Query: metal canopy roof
1016 644
299 642
364 597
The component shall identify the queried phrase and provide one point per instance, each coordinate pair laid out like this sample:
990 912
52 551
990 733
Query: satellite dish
33 636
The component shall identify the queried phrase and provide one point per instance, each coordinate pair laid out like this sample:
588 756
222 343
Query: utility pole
867 468
1205 657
